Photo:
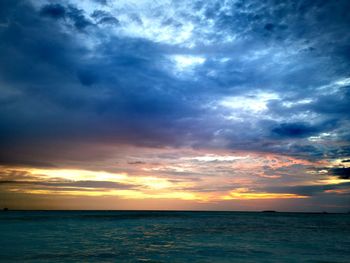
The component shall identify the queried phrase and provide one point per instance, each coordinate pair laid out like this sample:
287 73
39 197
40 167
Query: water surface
145 236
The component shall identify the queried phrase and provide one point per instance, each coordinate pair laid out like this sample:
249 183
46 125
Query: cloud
57 11
342 173
294 130
57 185
123 77
102 2
214 76
104 17
136 163
313 190
53 10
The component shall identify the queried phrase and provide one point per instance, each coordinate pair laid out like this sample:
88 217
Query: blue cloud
80 74
53 10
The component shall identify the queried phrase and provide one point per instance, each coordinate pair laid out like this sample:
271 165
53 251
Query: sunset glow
171 105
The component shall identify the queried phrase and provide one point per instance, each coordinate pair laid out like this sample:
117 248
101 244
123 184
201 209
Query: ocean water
136 236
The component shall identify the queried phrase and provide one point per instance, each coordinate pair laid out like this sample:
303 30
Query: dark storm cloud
342 173
70 79
58 11
59 78
294 130
54 11
78 17
301 129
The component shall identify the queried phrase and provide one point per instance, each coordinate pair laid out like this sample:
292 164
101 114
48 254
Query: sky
175 105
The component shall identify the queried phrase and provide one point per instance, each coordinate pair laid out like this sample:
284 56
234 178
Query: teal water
114 236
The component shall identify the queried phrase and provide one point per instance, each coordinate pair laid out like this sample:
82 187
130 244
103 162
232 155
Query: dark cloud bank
65 79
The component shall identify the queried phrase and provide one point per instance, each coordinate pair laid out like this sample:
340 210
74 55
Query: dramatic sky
175 104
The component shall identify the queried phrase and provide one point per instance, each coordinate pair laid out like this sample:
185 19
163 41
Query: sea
173 236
